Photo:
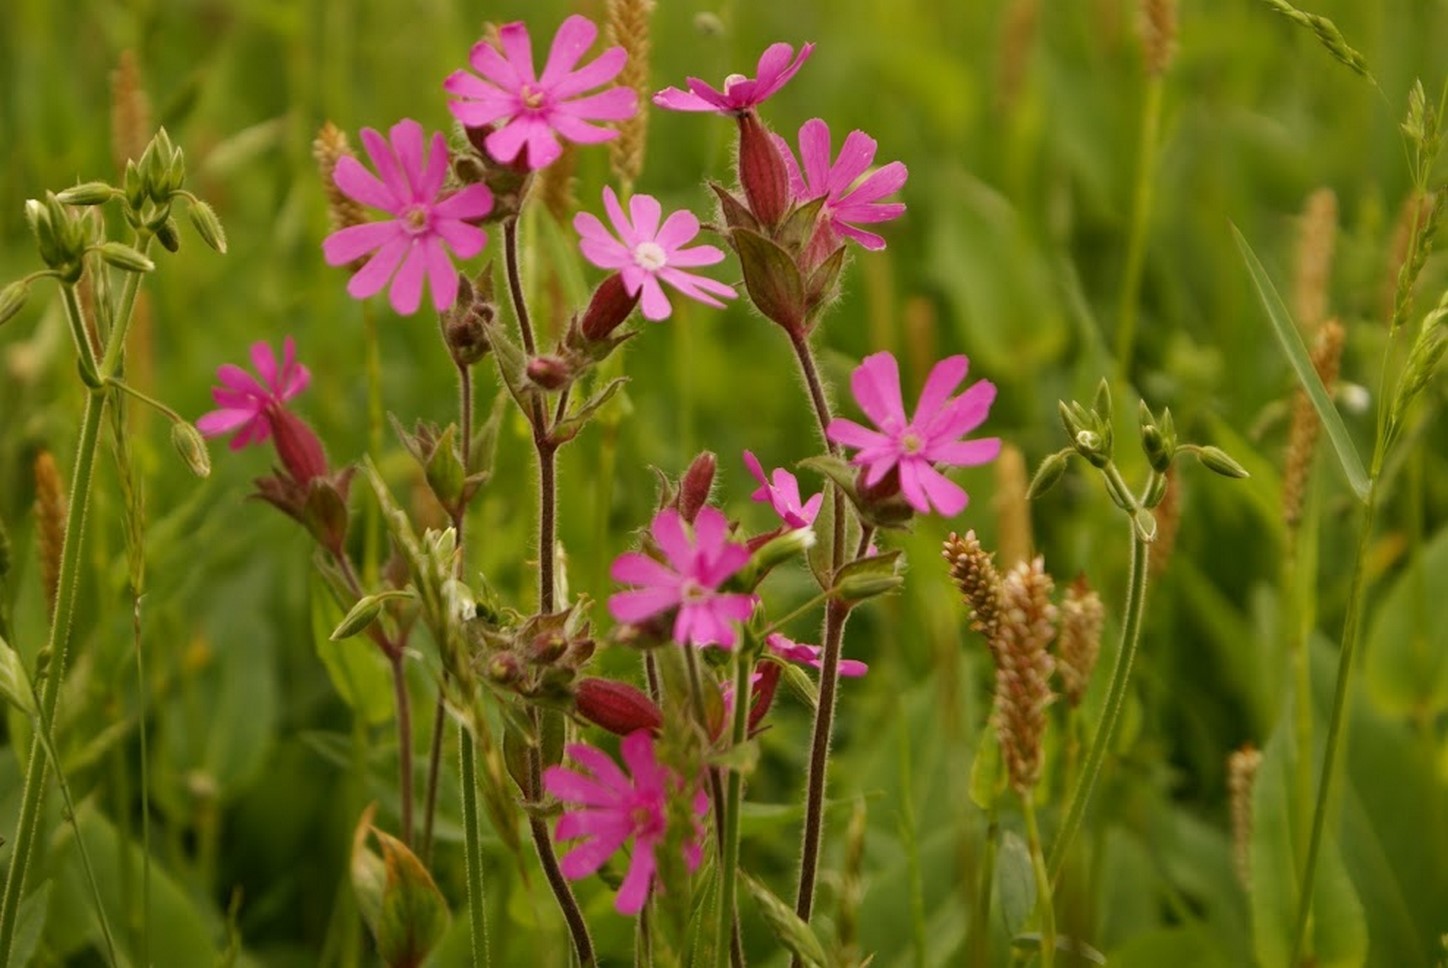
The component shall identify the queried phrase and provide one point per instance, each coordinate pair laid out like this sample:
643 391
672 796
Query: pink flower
425 226
532 111
850 200
247 406
783 495
810 655
689 580
650 252
740 93
614 807
913 446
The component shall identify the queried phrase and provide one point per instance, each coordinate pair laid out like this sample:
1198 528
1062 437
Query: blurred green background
1019 123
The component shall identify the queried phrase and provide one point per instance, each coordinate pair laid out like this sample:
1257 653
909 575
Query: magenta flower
531 112
650 252
810 655
689 580
850 200
614 807
427 223
913 446
740 93
783 494
247 406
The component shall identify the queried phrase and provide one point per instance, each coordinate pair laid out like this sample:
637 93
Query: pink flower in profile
850 199
614 807
776 66
913 446
810 655
689 580
646 253
531 112
426 223
782 494
248 407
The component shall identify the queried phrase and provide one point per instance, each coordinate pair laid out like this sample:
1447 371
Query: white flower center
532 97
691 592
732 81
650 256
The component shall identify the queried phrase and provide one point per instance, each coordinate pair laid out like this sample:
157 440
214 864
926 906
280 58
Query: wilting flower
810 655
850 199
248 407
427 222
532 112
689 580
782 494
913 446
776 66
649 252
614 807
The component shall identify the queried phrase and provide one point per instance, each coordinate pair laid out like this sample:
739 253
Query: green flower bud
192 447
89 193
208 226
124 257
12 300
1052 469
1217 460
168 234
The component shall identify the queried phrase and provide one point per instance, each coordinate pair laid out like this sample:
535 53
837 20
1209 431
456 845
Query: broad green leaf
1292 345
1015 882
1407 648
30 924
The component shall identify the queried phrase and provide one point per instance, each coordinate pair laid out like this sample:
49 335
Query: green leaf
792 932
14 683
1297 355
1015 881
987 780
357 669
414 915
1407 647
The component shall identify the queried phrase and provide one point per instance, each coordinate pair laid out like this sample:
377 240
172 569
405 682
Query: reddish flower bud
616 706
610 306
297 445
549 372
504 668
547 647
763 696
694 488
762 171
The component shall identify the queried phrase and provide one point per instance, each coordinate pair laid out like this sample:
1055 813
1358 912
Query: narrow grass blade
1292 345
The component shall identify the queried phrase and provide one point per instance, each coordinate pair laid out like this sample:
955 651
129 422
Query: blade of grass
1292 345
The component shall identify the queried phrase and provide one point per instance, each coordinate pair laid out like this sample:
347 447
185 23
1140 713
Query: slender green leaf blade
1292 345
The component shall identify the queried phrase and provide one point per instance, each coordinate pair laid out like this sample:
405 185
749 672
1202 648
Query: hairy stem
404 739
729 850
472 836
1115 700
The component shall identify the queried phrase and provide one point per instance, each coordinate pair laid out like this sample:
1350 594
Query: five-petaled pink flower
650 252
776 66
849 200
782 494
810 655
913 446
532 111
427 223
248 407
613 807
689 580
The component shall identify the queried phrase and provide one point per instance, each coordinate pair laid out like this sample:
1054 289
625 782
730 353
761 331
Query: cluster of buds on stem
538 659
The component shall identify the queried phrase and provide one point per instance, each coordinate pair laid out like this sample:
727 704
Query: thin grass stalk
1140 219
1043 882
145 757
472 837
978 934
729 848
1115 699
909 834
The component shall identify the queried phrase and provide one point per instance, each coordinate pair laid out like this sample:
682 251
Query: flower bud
608 309
549 372
124 257
1217 460
208 226
763 693
616 706
762 171
192 447
297 445
467 334
695 485
547 647
1052 469
504 668
324 512
89 193
12 300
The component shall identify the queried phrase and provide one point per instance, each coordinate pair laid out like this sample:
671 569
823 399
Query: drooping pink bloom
689 580
810 655
532 112
247 406
646 252
613 807
850 199
776 66
782 494
426 223
914 445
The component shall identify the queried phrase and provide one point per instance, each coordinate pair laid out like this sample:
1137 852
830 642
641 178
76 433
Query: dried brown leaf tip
1027 624
330 147
1158 34
1303 434
973 571
1242 767
1082 618
50 523
628 27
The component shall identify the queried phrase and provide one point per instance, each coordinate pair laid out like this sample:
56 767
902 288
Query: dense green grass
1012 251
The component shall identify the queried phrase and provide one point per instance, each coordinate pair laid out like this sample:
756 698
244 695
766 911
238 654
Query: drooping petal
588 856
699 288
948 497
442 278
634 891
653 302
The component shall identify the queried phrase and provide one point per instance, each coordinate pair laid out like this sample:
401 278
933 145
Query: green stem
1115 700
116 341
76 319
472 835
979 936
1043 884
1337 725
372 534
55 648
1140 217
147 399
733 796
143 694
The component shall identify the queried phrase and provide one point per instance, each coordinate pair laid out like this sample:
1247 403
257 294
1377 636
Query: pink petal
679 228
634 891
588 857
645 210
852 668
668 532
879 183
676 100
697 287
697 624
911 487
965 453
434 171
464 239
797 187
518 50
843 430
543 147
219 422
698 255
577 130
637 568
654 303
637 749
407 142
868 240
349 244
360 185
385 162
609 824
944 377
775 69
810 511
602 69
241 381
621 223
711 530
963 414
572 787
406 292
608 254
442 278
948 497
814 154
575 35
505 143
640 604
755 468
876 384
488 62
264 361
601 765
481 104
856 154
369 280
